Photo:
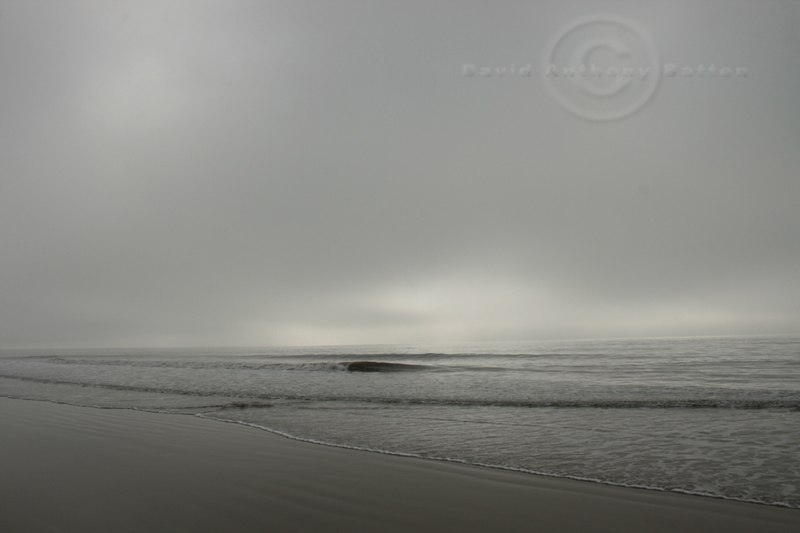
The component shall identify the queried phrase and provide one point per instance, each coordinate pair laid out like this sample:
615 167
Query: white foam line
485 465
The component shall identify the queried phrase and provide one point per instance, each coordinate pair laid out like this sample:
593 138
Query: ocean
714 416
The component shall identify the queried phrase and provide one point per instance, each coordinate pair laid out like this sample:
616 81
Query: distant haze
254 173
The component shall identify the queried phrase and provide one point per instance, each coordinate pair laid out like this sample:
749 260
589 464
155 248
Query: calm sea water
715 416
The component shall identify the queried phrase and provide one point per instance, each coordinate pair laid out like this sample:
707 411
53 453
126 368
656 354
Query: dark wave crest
352 366
381 366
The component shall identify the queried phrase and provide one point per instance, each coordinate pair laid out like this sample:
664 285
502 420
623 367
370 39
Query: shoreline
71 468
461 462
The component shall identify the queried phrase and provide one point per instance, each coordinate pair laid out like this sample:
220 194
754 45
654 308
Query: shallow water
715 416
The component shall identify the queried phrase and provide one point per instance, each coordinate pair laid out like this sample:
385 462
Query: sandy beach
67 468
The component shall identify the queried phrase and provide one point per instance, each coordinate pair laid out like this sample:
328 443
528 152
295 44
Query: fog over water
312 172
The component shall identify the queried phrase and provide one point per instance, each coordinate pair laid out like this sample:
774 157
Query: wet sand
67 468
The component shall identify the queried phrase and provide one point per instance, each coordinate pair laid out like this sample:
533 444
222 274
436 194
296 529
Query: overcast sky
257 173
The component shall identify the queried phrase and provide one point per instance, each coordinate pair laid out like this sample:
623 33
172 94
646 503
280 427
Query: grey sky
252 173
